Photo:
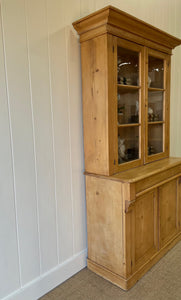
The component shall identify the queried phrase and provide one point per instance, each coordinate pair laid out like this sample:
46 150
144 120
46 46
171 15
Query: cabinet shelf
156 122
128 87
152 89
129 125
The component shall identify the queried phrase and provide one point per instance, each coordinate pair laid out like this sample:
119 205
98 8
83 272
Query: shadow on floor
162 282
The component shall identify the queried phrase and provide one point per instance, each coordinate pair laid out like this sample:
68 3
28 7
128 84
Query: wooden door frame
166 107
140 49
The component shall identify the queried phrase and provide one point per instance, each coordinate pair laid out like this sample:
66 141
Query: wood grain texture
131 281
95 104
150 196
145 227
148 170
168 210
127 234
104 223
100 95
119 19
107 274
112 103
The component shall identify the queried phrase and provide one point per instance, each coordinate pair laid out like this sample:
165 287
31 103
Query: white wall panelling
42 117
58 63
87 7
9 264
16 62
42 197
76 137
49 280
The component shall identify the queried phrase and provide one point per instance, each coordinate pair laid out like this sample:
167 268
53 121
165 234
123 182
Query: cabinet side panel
105 223
95 116
112 110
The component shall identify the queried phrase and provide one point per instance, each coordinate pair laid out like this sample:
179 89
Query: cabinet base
107 274
126 284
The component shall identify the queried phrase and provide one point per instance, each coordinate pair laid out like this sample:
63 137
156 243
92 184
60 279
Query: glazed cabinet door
168 196
157 90
128 96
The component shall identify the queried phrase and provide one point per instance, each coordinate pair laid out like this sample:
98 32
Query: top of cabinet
116 22
143 173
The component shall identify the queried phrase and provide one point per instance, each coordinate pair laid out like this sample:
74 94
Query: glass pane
155 72
128 106
128 144
128 67
155 138
155 106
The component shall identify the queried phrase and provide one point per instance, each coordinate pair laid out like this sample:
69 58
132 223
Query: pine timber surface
142 172
133 210
114 21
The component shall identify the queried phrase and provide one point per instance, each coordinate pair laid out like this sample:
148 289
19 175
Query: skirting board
48 281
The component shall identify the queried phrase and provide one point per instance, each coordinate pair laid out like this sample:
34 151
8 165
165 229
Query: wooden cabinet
133 219
132 186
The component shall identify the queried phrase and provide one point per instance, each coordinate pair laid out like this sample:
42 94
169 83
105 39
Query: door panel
145 227
168 211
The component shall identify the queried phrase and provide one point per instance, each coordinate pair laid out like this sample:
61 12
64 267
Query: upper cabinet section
126 89
114 21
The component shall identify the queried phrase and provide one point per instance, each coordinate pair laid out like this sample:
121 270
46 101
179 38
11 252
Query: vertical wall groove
11 144
70 142
34 146
53 137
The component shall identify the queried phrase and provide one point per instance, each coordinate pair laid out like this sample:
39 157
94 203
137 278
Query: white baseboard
48 281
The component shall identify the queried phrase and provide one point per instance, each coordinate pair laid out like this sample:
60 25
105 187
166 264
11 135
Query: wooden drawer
157 179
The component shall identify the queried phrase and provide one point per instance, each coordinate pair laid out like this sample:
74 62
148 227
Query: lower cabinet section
129 232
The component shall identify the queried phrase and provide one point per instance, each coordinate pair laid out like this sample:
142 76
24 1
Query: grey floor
162 282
